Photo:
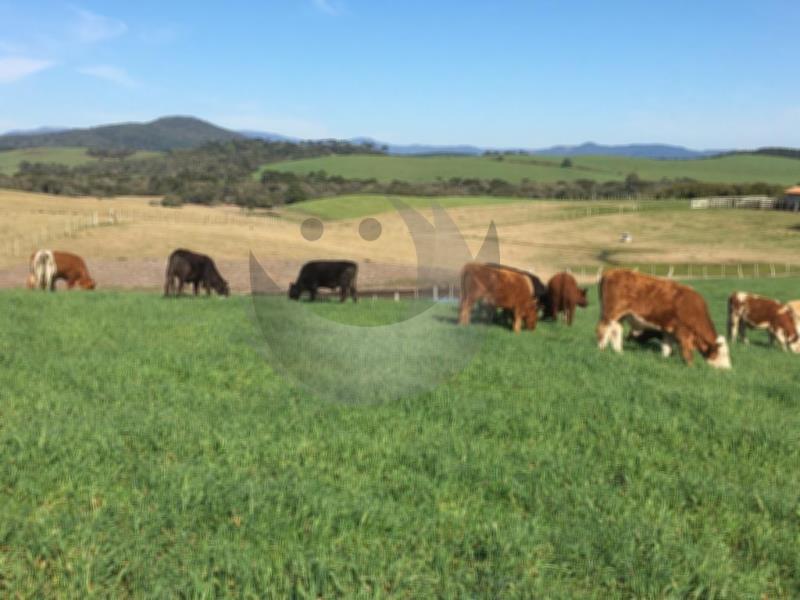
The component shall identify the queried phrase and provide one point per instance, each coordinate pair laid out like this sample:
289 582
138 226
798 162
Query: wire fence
693 271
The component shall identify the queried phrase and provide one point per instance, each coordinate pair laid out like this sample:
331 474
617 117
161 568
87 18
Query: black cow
190 267
326 273
539 288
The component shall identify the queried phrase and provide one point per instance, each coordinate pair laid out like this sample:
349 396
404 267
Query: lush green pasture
149 450
726 169
70 157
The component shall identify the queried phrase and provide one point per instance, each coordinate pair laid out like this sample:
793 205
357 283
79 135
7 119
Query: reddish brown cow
750 310
647 302
71 268
501 288
565 295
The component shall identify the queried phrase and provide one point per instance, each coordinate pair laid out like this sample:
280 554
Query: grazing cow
750 310
502 288
198 269
651 303
72 268
565 295
43 270
326 273
539 288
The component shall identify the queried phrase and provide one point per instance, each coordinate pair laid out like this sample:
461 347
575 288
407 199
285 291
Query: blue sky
705 73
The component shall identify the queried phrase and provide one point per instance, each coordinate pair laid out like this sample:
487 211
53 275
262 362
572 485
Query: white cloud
110 73
90 27
14 68
329 7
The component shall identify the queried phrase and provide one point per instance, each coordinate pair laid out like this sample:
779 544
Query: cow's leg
570 311
195 285
464 310
167 286
686 342
666 346
342 293
517 321
313 293
778 335
180 287
609 331
733 325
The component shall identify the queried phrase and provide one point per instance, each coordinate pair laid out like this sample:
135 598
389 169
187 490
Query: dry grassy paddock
126 240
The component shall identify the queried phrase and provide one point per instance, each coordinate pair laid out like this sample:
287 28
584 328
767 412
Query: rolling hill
167 133
739 168
68 156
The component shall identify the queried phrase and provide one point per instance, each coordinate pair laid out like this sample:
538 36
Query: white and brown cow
757 312
651 303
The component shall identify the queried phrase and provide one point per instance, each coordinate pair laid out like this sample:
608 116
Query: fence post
450 292
755 270
396 296
670 272
435 293
741 275
772 270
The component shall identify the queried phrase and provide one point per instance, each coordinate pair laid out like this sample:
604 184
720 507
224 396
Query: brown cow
501 288
565 295
751 310
648 302
71 268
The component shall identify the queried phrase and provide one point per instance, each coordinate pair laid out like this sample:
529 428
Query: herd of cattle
653 307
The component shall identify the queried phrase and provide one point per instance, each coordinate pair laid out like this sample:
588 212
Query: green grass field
727 169
70 157
150 451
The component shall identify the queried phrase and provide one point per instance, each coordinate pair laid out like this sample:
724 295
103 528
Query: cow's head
788 326
531 315
31 282
582 297
718 355
87 283
294 291
218 284
221 286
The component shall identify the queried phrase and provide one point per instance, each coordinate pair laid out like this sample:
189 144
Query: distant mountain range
178 132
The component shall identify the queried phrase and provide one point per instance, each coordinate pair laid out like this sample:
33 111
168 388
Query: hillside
167 133
738 168
68 157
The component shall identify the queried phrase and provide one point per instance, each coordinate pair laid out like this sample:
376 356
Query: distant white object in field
626 238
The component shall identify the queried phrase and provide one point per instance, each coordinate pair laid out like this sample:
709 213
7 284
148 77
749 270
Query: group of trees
223 172
214 173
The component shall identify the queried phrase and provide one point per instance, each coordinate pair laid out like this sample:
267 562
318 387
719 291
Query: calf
186 266
326 273
750 310
650 303
502 288
565 295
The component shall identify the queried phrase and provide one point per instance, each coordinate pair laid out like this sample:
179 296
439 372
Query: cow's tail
600 285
